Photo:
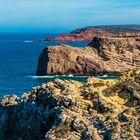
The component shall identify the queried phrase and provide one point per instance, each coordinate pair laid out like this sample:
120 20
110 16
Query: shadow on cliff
127 90
30 119
42 63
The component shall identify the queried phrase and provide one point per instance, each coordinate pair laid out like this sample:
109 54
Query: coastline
65 109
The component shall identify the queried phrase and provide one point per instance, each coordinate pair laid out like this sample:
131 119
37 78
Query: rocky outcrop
69 110
81 37
102 56
87 33
74 37
128 34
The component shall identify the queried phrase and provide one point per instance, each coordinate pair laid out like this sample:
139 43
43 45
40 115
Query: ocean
19 54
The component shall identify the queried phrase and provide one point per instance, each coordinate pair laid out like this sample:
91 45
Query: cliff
74 37
87 33
69 110
80 35
102 56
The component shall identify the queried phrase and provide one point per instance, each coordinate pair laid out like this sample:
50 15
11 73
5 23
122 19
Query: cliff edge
103 55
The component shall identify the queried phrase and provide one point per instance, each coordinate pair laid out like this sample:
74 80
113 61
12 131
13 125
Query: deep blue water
18 62
19 54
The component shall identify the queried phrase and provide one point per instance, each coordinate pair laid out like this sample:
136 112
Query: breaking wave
28 41
56 76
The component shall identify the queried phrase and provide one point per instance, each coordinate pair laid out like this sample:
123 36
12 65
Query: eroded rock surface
87 33
69 110
102 56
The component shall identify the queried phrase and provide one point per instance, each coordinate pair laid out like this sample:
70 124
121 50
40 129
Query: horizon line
58 29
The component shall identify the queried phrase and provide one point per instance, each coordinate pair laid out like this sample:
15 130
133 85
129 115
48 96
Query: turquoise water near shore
19 54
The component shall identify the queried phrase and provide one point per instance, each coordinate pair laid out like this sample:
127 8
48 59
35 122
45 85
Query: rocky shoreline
88 33
96 109
103 56
68 110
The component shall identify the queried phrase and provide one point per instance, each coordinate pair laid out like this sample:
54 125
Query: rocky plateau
103 55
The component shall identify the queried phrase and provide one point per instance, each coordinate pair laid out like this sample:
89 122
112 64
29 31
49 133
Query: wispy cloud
67 14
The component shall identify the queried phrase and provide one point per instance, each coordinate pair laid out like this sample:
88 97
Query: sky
65 15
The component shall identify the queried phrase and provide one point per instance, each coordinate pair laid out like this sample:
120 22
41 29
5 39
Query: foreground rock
69 110
102 56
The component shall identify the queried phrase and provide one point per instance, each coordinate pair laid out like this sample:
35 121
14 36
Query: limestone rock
102 56
69 110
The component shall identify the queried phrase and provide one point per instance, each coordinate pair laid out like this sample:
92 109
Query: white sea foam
104 76
41 77
70 75
56 76
28 41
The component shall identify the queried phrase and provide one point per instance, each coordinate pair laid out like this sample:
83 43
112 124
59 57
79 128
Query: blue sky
49 15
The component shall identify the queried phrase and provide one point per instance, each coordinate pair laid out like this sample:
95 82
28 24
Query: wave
72 76
104 76
40 77
8 41
56 76
28 41
107 77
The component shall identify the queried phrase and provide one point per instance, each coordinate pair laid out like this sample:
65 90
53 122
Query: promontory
103 55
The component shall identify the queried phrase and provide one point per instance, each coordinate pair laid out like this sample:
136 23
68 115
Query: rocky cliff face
87 33
83 35
88 36
69 110
74 37
101 56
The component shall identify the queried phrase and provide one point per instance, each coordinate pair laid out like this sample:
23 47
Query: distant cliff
69 110
102 56
87 33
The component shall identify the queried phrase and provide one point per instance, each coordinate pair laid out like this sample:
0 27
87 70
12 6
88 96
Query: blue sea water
19 54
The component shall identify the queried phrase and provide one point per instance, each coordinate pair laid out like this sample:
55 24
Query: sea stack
103 55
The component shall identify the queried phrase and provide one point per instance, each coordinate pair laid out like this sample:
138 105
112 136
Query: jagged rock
102 56
94 110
